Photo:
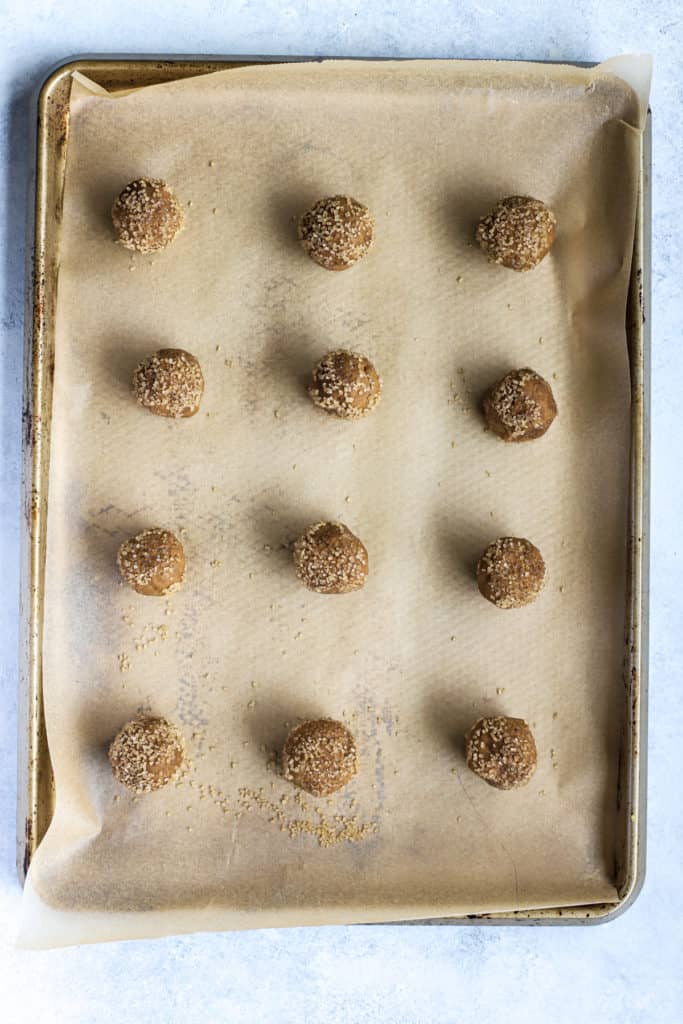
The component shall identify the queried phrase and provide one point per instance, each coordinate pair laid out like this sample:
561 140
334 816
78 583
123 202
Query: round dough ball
169 383
147 216
518 233
146 754
511 572
345 385
501 751
520 407
320 756
337 232
329 559
152 562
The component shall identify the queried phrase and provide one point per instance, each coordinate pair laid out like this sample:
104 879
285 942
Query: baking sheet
417 481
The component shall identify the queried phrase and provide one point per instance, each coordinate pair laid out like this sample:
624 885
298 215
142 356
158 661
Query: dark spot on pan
27 423
28 845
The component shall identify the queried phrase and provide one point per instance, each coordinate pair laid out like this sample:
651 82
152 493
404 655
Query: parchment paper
414 658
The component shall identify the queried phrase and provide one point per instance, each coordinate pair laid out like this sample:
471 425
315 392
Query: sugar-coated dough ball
147 216
346 385
320 756
169 383
146 754
511 572
520 407
518 233
152 562
337 232
329 559
501 751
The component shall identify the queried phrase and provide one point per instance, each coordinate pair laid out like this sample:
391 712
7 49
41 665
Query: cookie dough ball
330 559
337 232
518 233
152 562
520 407
169 383
147 216
345 385
501 751
146 754
511 572
320 756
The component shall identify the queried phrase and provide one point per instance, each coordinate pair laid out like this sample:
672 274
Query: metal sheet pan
35 802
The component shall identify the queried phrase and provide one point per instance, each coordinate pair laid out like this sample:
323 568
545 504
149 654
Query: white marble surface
627 971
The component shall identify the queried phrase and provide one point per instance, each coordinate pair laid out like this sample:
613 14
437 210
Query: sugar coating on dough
518 233
320 756
329 559
147 216
511 572
170 383
152 562
146 754
520 407
501 751
337 232
346 385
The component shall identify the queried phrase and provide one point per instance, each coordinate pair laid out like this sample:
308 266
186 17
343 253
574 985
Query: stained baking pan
35 789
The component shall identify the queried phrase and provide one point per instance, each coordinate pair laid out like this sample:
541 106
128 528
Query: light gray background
627 971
